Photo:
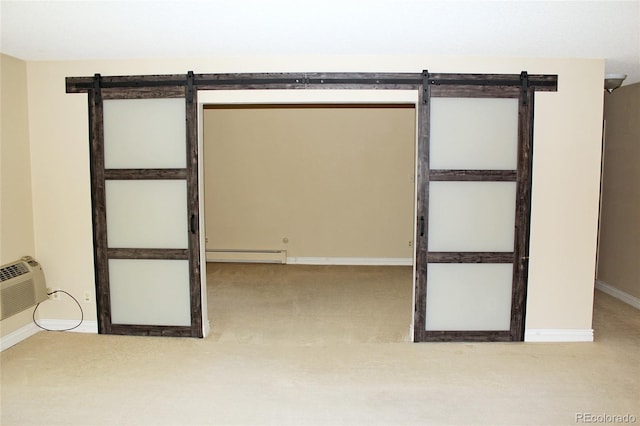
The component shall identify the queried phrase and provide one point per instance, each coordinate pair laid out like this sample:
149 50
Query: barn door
474 183
145 210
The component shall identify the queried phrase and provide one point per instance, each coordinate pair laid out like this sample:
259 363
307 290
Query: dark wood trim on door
523 213
147 253
152 330
473 175
98 205
193 207
468 336
145 174
422 211
470 257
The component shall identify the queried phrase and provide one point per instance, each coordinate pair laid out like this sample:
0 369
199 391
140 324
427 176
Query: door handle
422 226
193 223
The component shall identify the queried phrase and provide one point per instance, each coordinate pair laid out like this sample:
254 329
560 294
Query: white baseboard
30 329
56 324
18 336
558 335
246 256
618 294
356 261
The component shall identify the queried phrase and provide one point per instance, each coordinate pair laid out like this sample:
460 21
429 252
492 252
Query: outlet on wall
87 297
55 296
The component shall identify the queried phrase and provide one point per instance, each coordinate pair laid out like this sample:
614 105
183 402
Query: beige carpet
272 360
262 303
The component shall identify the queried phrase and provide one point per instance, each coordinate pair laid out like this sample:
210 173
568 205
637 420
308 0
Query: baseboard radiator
22 285
246 256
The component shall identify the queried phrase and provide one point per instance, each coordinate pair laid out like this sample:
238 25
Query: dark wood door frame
522 86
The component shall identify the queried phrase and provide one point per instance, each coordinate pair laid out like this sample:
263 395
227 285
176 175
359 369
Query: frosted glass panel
471 216
147 213
149 292
144 133
473 133
468 296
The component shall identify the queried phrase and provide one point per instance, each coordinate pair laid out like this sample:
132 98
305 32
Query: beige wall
565 172
331 182
619 253
16 211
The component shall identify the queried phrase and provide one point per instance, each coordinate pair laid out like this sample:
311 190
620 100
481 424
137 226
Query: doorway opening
309 219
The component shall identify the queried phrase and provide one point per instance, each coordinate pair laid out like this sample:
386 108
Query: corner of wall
16 205
618 294
618 265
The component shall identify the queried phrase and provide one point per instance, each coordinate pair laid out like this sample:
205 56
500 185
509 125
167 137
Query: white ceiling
91 29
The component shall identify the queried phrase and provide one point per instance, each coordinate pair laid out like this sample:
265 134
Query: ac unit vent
12 271
21 285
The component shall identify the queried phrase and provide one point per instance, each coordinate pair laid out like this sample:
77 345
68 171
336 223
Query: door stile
98 206
523 212
422 209
193 207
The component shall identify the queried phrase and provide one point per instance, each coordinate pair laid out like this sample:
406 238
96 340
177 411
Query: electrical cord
33 316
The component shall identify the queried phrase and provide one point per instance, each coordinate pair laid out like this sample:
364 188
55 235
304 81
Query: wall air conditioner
21 285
